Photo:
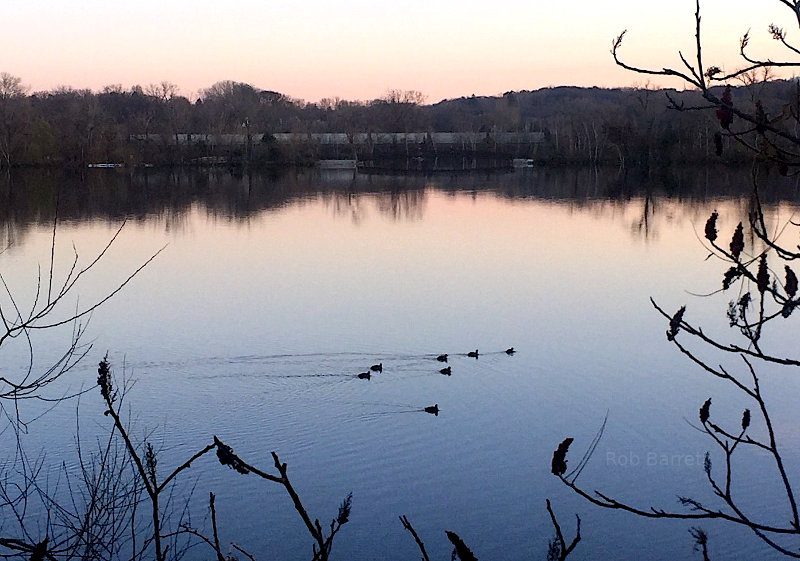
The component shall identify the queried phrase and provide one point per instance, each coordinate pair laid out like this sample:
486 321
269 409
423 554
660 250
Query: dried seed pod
730 275
675 324
737 241
744 302
733 313
711 223
762 278
725 111
791 283
460 549
704 411
559 464
104 380
344 509
150 463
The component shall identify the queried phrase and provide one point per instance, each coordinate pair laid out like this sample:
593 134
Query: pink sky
355 49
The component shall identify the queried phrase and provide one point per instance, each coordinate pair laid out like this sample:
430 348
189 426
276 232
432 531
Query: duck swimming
364 376
473 354
442 358
434 409
377 367
510 351
446 371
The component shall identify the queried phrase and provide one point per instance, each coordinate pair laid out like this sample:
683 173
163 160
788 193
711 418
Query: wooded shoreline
240 125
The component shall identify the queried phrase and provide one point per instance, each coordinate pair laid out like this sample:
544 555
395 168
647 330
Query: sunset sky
359 49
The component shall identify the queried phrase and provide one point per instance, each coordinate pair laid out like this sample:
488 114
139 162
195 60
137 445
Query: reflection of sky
315 277
219 329
297 278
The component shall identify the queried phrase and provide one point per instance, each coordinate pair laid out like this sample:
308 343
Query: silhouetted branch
559 550
323 543
617 43
42 314
146 467
37 551
761 230
761 280
243 552
220 557
767 131
186 465
736 349
407 525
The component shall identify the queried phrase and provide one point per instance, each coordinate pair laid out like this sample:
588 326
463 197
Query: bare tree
85 520
12 118
400 110
18 320
757 270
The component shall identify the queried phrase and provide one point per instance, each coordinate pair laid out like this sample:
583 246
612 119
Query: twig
407 525
563 549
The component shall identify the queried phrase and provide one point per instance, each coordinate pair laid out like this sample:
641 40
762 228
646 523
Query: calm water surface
272 294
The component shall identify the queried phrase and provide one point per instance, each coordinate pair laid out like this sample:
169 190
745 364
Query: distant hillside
636 126
627 126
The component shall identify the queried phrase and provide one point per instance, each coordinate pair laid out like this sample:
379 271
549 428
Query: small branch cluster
18 321
559 550
774 138
123 479
460 549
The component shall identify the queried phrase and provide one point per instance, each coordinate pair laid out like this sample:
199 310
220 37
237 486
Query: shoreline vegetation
237 125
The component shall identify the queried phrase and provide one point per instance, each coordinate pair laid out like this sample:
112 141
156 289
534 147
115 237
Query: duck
510 351
377 367
473 354
446 371
442 358
434 409
364 376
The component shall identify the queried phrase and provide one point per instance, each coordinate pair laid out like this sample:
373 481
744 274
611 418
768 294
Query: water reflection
31 197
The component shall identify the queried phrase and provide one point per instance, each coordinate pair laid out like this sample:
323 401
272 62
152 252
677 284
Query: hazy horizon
359 50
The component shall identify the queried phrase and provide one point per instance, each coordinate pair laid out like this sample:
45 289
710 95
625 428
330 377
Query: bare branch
563 549
407 525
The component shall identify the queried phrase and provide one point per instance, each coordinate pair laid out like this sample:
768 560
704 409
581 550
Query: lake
273 292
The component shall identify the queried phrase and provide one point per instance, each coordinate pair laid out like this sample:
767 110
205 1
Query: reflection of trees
398 197
29 198
670 195
648 210
402 205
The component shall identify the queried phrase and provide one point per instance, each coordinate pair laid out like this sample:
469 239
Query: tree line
632 126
